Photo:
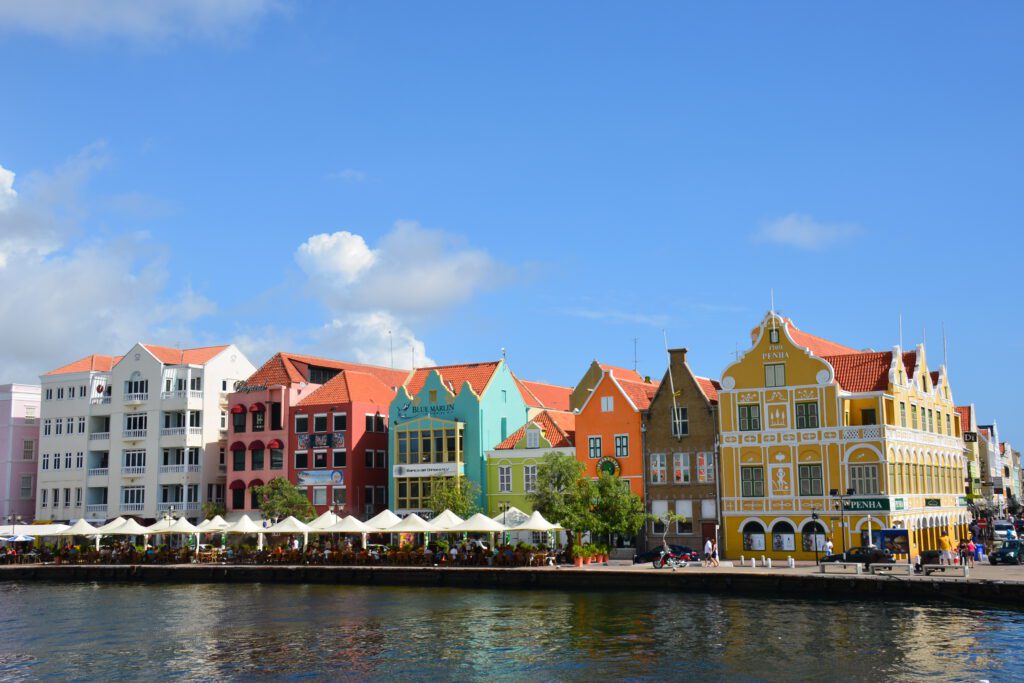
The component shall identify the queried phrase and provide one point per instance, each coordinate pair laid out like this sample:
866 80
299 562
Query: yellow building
811 428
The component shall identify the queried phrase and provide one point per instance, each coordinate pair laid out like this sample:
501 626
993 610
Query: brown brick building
681 463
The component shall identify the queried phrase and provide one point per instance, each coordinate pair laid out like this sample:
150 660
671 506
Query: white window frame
530 478
594 446
658 474
681 468
533 438
706 467
622 445
680 421
319 495
334 422
865 479
504 478
774 375
607 404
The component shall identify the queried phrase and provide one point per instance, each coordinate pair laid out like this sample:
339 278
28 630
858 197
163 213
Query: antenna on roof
945 349
671 382
736 352
504 356
901 331
772 293
636 340
391 348
412 354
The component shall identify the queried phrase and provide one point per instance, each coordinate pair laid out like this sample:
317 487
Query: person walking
971 549
828 547
714 553
708 548
945 550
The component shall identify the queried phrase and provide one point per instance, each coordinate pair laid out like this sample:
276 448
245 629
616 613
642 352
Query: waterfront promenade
1002 585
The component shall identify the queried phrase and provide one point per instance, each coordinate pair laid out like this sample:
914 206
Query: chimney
677 356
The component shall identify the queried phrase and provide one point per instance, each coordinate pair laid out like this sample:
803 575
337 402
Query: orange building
608 427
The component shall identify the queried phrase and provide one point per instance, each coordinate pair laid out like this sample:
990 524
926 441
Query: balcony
96 509
179 469
99 401
929 438
173 431
99 436
132 507
133 471
136 398
861 433
178 506
134 434
98 471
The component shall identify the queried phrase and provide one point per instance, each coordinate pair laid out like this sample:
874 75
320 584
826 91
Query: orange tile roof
93 363
172 356
285 368
710 388
909 362
935 376
348 386
454 376
622 373
867 371
965 417
818 345
640 393
541 395
559 429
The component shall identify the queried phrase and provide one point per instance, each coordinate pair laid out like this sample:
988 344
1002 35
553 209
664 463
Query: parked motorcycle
671 560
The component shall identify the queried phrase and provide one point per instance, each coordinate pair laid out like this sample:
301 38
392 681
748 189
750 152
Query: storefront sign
321 478
900 504
409 411
962 501
866 504
609 466
430 469
932 503
970 437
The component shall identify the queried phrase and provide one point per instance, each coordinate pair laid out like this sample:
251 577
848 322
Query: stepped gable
454 376
292 368
935 377
559 429
710 388
92 363
909 362
542 395
172 356
349 386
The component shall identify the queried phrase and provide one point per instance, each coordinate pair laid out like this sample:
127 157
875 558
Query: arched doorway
753 536
813 537
783 537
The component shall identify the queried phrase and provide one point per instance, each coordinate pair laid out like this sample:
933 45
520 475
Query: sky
562 181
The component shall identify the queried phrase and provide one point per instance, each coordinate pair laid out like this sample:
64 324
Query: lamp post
835 493
13 520
814 516
504 514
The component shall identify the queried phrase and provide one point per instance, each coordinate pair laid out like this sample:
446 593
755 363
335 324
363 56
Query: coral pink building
19 450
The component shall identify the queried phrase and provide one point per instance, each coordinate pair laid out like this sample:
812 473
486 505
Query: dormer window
773 336
533 438
433 395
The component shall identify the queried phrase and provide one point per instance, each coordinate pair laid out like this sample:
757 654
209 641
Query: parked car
1001 529
683 551
868 555
1009 552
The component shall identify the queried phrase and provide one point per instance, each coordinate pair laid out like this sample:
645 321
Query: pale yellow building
814 428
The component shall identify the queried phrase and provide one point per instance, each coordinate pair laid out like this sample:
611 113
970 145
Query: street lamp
504 513
13 520
842 510
814 516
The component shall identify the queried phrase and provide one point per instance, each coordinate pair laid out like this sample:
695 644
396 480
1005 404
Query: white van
1000 529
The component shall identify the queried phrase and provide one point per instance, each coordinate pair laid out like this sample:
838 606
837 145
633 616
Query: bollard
762 560
792 563
753 562
768 563
743 560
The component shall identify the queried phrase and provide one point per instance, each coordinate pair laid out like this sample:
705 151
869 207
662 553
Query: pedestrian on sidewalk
971 549
828 546
945 550
714 553
708 548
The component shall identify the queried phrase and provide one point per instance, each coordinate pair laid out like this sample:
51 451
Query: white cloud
413 271
613 316
364 337
350 175
141 20
803 232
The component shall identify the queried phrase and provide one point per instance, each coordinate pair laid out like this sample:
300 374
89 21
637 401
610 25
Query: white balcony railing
179 469
136 398
172 431
99 436
861 433
133 470
177 505
96 508
195 431
99 471
132 507
193 394
134 433
100 401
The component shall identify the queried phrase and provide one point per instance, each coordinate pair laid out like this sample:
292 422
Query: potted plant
577 555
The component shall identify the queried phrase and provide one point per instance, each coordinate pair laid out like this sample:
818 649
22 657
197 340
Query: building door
707 530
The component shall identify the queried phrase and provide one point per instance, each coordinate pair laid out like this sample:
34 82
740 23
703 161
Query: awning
238 408
275 444
237 446
255 482
256 445
237 485
257 408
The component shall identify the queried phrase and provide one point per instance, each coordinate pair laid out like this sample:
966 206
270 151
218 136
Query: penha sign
866 505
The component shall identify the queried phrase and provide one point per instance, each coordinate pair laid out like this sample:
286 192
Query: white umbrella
479 522
412 524
130 528
79 528
383 521
19 539
511 517
445 521
536 522
351 525
290 525
182 526
324 521
211 525
110 526
161 526
246 526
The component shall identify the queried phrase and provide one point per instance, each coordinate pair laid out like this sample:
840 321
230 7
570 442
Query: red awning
256 445
236 485
257 408
237 446
275 444
238 408
255 482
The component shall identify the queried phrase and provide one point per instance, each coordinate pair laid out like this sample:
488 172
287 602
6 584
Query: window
275 415
621 445
134 458
78 498
684 509
42 499
56 461
680 421
320 423
753 536
28 449
136 385
903 414
319 495
706 468
775 375
44 462
380 459
338 458
60 396
49 394
681 468
658 475
607 404
276 459
58 427
369 423
135 422
378 423
30 415
659 510
750 418
504 478
949 425
238 460
340 422
530 478
259 420
237 499
594 446
368 458
257 459
56 497
320 459
70 428
381 497
238 422
26 486
807 415
810 480
301 460
752 482
195 383
864 479
81 425
931 421
773 335
533 438
133 495
46 427
79 459
913 416
938 421
301 424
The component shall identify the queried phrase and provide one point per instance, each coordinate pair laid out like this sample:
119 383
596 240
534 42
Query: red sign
982 523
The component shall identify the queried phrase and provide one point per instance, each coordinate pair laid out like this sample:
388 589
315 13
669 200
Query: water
246 632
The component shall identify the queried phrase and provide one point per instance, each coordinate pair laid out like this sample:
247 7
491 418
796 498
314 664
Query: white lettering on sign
775 355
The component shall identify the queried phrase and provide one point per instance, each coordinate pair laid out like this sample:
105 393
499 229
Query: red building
261 420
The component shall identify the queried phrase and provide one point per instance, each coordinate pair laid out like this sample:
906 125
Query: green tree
279 498
617 510
211 509
563 495
457 494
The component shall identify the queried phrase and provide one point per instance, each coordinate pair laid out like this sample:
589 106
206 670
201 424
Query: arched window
813 536
783 536
753 536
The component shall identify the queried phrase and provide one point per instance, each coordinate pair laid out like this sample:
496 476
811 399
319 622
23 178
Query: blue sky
556 180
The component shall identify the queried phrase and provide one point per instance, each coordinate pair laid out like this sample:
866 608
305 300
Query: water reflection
105 632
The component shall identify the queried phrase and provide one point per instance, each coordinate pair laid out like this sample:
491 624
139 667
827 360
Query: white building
140 434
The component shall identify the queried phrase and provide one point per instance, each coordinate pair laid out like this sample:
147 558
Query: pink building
19 450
